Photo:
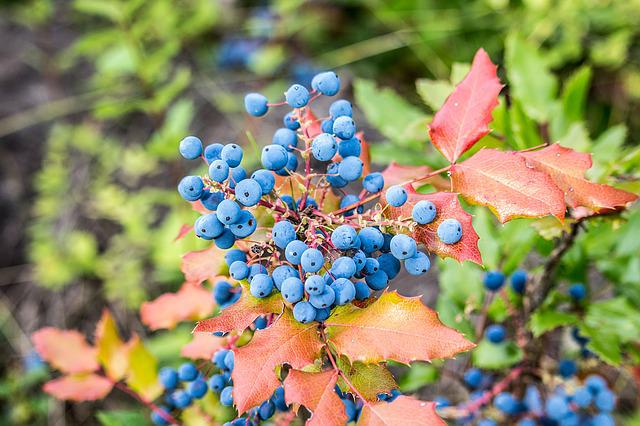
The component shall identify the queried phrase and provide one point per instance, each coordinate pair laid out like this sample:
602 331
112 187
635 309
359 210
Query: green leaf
368 379
544 320
107 9
461 282
498 310
612 50
434 92
532 83
122 418
419 375
492 356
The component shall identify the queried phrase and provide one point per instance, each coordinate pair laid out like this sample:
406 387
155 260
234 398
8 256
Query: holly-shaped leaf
403 410
203 346
191 302
286 341
396 174
393 327
505 183
66 350
142 374
113 353
369 379
79 387
241 314
202 265
447 206
466 114
567 169
316 391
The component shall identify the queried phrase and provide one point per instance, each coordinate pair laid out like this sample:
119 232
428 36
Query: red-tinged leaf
504 182
184 231
465 116
198 207
66 350
202 346
79 387
286 341
396 174
113 353
567 168
316 392
393 327
403 410
312 127
241 314
199 266
191 302
448 207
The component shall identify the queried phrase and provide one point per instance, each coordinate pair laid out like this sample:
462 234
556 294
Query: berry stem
428 175
153 407
356 205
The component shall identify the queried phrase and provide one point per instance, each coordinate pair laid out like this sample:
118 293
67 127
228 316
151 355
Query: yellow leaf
142 373
112 351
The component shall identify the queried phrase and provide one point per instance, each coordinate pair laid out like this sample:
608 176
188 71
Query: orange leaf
191 302
396 174
183 232
198 207
393 327
316 392
79 387
567 168
313 126
113 353
504 182
202 346
201 265
66 350
465 115
448 206
241 314
286 341
403 410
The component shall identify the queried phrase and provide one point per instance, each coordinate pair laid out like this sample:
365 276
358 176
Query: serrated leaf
202 265
368 379
112 351
567 168
285 341
434 92
393 327
66 350
191 302
396 174
316 392
403 411
464 118
142 373
202 346
447 206
79 387
241 314
495 356
504 182
544 320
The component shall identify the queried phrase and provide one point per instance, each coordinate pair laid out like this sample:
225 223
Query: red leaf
311 127
316 392
184 231
448 207
199 266
191 302
504 182
198 207
393 327
79 387
567 168
465 115
66 350
202 346
396 174
241 314
403 410
286 341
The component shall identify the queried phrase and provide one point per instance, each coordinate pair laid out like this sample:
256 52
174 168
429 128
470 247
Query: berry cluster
317 260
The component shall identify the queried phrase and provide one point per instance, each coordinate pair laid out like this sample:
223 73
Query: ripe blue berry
314 285
211 200
234 254
323 147
344 291
487 422
424 212
261 285
286 138
378 280
403 246
248 192
168 378
343 237
260 323
327 83
226 396
218 171
229 360
556 407
256 269
333 177
290 122
371 266
343 267
265 179
274 157
577 291
278 399
324 299
418 264
493 280
266 410
208 226
389 264
190 188
218 358
344 127
232 154
582 397
281 273
297 96
217 383
236 175
595 383
396 196
350 168
363 292
198 388
359 259
312 260
283 233
349 409
191 147
450 231
567 368
159 419
239 270
181 399
603 419
373 182
228 212
222 292
290 167
350 147
518 281
245 225
322 314
495 333
349 200
473 378
327 125
605 401
256 104
212 152
293 251
187 372
506 403
292 290
304 312
340 108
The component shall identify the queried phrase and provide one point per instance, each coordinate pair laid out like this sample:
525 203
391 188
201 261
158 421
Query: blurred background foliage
96 94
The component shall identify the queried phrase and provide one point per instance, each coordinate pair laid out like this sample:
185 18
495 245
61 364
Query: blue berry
222 292
191 147
343 267
208 226
418 264
527 422
350 147
403 246
304 312
323 147
290 122
190 188
602 419
424 212
496 333
389 264
506 403
297 96
487 422
278 399
233 255
248 192
283 233
441 402
256 104
396 196
212 152
228 212
349 200
281 273
274 157
245 225
556 407
229 360
340 108
344 291
363 292
232 154
187 372
322 314
290 167
314 285
159 419
226 396
450 231
217 383
236 175
260 323
261 285
532 399
378 280
582 397
327 125
327 83
266 410
493 280
265 179
343 237
473 377
211 200
333 177
371 266
198 388
292 290
577 291
350 168
322 300
518 281
312 260
181 399
359 258
567 368
218 358
344 127
168 378
293 251
350 410
595 383
605 401
373 182
239 270
286 138
219 171
256 269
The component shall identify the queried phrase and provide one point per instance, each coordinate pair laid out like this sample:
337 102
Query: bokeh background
95 95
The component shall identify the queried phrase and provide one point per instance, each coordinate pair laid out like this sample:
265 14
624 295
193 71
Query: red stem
428 175
153 407
496 389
